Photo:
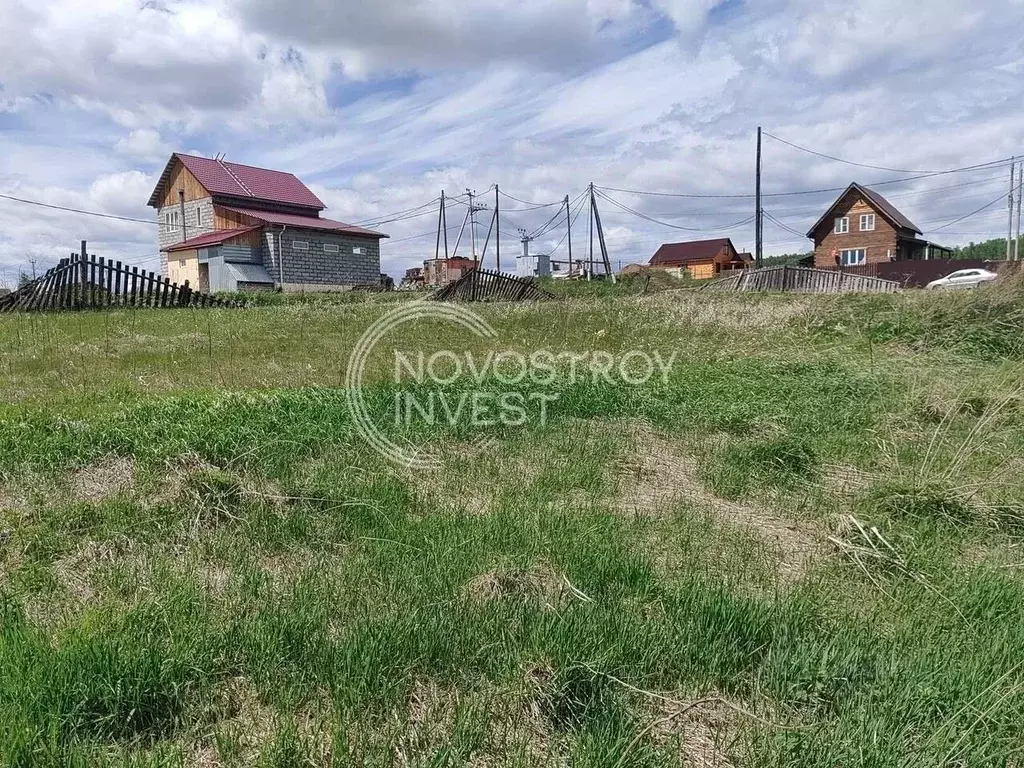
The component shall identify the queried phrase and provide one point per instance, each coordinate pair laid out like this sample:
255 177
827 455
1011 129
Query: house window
199 217
331 248
358 251
181 262
853 256
300 245
842 225
867 222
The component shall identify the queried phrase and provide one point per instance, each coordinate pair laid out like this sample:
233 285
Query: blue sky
378 106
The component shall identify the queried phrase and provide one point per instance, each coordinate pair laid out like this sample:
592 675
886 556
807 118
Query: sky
378 106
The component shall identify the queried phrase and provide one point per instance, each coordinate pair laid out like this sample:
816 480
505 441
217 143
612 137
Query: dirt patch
77 570
103 479
696 730
540 583
660 473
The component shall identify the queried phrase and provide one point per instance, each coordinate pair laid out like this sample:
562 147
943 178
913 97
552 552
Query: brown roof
682 253
879 203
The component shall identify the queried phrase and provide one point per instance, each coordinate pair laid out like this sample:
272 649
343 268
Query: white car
964 278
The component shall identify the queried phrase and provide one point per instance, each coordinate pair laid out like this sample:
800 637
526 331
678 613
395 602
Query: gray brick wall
198 221
315 267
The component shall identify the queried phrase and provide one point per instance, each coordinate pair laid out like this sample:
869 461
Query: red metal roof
210 238
304 222
219 177
681 253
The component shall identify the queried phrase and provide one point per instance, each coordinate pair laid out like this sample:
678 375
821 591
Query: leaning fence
800 280
88 282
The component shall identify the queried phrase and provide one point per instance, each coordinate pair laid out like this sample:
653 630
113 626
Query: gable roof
210 238
697 250
219 177
888 211
303 222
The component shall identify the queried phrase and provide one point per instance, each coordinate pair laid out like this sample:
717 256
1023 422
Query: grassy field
802 548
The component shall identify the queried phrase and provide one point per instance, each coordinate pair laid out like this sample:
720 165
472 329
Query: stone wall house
227 226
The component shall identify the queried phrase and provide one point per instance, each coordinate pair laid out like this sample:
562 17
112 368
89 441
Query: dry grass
104 479
660 473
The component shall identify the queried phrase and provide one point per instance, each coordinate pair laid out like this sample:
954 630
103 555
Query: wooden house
862 227
226 227
700 258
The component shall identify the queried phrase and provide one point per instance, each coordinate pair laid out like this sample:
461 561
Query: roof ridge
233 176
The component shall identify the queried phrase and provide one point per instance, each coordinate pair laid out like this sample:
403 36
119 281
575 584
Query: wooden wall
225 219
701 270
879 244
182 178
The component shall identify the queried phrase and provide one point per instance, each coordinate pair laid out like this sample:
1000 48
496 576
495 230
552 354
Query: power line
78 210
644 216
969 215
984 166
503 193
784 226
841 160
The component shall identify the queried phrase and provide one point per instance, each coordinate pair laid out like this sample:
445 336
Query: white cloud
143 144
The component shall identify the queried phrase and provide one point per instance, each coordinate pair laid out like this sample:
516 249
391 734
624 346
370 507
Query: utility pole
440 219
1020 198
758 245
590 232
472 225
568 227
600 234
444 228
1009 230
497 231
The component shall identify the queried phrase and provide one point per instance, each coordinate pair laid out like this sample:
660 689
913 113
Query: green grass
202 562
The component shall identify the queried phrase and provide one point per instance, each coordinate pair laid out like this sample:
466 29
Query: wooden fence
800 280
88 282
484 285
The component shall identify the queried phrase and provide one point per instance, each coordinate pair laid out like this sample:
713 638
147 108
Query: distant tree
786 259
24 278
992 250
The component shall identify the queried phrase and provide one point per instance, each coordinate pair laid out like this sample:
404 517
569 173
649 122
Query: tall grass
196 568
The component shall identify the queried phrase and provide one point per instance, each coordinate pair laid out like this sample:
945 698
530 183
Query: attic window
199 217
842 225
331 248
300 245
867 222
358 250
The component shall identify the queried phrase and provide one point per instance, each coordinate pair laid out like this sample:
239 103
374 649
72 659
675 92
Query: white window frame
300 245
846 261
332 248
199 217
842 225
358 250
870 218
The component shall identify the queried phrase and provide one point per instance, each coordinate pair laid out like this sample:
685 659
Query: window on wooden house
331 248
853 256
867 222
842 225
181 262
199 217
300 245
358 250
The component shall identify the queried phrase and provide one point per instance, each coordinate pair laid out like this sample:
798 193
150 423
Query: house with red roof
700 258
231 227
